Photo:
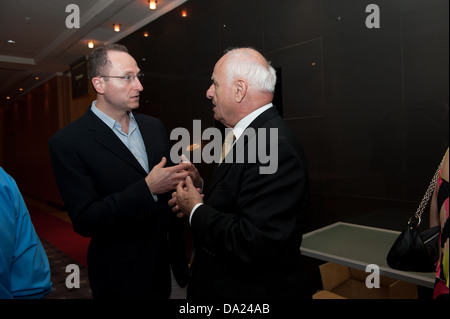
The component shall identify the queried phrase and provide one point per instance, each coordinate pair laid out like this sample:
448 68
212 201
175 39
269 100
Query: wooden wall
25 128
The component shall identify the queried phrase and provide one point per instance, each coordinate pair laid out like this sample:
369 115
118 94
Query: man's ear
241 88
98 85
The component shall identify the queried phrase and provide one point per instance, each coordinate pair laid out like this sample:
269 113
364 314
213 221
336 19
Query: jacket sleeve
91 211
265 220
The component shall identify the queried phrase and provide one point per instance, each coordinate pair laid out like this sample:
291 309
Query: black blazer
248 233
107 198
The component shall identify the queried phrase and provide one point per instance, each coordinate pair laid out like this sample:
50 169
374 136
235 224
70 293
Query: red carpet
61 234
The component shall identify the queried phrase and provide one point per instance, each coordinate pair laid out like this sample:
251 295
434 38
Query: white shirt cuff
193 211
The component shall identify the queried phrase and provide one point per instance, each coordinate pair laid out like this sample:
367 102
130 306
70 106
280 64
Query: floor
58 264
61 265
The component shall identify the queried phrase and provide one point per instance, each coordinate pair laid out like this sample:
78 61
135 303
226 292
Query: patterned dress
442 277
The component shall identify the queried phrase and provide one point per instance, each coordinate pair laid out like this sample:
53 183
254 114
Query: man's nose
138 84
210 92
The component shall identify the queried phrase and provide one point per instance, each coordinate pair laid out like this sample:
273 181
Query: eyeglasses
126 78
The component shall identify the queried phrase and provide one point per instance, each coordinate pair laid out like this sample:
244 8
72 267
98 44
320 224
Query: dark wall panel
30 122
369 105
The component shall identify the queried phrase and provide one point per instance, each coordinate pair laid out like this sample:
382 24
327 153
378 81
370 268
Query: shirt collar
108 120
240 127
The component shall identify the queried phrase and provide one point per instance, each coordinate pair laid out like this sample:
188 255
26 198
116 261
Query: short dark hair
99 62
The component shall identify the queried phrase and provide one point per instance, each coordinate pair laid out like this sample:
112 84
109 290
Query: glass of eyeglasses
126 78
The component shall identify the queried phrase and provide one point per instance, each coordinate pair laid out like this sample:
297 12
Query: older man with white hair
248 227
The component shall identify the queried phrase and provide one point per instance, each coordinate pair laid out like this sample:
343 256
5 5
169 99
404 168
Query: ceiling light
146 34
91 44
184 13
11 41
152 4
116 27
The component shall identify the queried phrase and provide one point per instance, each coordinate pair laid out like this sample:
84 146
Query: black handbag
415 251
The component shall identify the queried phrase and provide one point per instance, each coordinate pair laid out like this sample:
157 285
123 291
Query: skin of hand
162 179
193 172
185 198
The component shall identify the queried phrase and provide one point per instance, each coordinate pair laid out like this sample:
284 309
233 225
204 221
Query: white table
357 246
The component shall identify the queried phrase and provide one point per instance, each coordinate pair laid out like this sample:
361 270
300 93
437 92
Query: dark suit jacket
248 233
107 198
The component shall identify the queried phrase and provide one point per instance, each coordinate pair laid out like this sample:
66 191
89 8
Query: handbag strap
428 194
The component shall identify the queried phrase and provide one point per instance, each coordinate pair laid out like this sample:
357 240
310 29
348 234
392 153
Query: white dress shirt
133 140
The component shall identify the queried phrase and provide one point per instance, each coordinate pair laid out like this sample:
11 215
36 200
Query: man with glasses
112 169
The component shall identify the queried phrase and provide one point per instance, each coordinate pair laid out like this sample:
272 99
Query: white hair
242 64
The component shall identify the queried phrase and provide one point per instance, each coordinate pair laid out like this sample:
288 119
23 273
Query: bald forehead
122 60
246 54
118 55
241 55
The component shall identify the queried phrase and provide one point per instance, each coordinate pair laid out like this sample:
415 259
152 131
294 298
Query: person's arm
89 211
30 269
266 218
434 213
434 210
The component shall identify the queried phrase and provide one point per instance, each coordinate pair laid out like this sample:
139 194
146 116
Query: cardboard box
342 281
323 294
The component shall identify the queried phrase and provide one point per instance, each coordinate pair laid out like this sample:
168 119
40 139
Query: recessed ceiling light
11 41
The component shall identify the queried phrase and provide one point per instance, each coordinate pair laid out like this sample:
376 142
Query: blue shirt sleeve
24 266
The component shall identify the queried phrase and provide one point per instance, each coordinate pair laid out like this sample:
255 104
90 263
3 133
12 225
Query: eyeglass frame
127 78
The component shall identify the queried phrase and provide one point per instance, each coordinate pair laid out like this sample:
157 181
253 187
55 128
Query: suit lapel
103 135
218 174
221 170
148 135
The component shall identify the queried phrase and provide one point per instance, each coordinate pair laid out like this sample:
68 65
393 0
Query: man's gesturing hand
185 198
162 179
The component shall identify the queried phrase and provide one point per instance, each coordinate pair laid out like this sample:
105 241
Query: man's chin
134 106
